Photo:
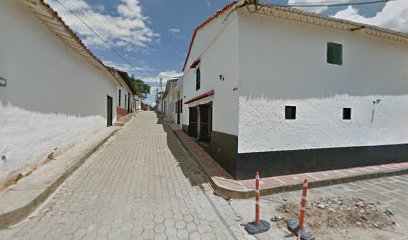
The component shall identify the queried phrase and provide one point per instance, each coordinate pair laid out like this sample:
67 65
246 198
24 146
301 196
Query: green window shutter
334 53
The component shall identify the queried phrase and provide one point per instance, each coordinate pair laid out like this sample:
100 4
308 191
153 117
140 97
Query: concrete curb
228 192
219 189
124 120
21 199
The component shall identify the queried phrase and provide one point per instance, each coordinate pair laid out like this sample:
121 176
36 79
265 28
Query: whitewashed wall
217 47
43 74
138 102
284 63
123 101
172 103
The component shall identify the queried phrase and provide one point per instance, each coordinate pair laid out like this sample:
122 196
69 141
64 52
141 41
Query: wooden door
109 111
193 122
178 111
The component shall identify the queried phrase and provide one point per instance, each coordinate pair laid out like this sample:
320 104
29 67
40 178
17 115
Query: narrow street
141 184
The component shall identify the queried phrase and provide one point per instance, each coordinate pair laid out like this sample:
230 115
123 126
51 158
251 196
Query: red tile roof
217 14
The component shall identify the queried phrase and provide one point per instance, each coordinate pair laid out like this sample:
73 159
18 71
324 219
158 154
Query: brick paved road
141 184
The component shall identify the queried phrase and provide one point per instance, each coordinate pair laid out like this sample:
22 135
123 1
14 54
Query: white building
128 100
138 101
44 66
171 100
282 91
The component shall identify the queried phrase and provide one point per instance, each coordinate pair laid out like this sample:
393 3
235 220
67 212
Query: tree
140 86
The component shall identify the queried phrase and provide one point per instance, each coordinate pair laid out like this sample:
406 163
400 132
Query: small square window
290 112
334 53
346 113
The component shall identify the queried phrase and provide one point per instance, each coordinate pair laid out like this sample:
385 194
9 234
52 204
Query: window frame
334 53
290 112
120 97
347 113
198 78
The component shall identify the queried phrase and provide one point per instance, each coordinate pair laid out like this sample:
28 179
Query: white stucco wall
284 63
138 102
123 100
43 74
217 47
172 103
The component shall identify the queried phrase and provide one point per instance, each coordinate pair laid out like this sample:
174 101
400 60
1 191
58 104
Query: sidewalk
22 198
225 185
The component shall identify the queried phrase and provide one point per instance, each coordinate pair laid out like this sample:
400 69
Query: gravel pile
338 212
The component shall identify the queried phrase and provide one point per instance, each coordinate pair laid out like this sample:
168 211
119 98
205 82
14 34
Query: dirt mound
337 213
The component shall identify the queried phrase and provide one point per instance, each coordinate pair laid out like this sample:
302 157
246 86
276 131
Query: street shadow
159 118
187 164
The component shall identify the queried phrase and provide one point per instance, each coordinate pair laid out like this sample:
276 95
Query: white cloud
164 75
154 83
128 27
174 30
394 16
130 9
126 67
313 9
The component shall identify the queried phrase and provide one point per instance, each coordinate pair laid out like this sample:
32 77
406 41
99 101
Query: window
290 112
334 53
120 97
125 100
346 113
198 78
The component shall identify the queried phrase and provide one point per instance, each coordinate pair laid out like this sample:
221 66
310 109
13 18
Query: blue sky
154 35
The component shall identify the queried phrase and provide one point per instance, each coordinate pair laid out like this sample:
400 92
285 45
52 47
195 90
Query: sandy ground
385 193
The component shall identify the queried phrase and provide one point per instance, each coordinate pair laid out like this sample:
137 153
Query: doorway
205 122
109 110
179 111
128 103
200 122
193 121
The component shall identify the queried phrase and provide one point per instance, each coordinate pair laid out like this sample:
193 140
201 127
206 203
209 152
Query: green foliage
140 86
153 108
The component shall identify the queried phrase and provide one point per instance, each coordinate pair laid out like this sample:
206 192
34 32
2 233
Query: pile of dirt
337 213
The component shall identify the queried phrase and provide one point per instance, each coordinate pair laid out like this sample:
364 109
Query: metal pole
257 220
302 209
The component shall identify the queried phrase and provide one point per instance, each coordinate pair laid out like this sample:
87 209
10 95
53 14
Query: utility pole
157 94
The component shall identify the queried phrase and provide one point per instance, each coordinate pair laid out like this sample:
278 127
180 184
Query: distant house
138 101
128 99
45 67
283 91
170 102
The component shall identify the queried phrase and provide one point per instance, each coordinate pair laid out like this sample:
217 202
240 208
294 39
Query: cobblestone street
142 184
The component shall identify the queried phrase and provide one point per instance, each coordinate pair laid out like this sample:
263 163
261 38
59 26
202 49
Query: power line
333 4
93 18
94 32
